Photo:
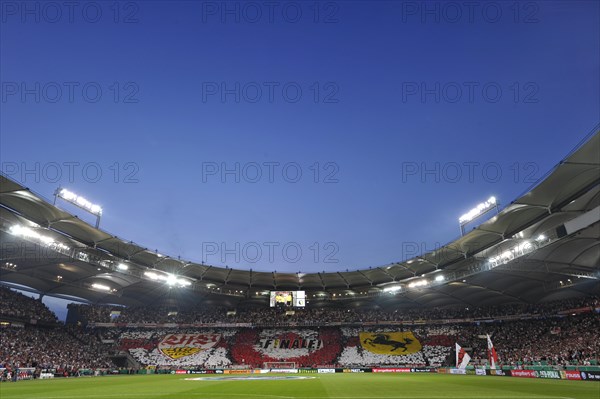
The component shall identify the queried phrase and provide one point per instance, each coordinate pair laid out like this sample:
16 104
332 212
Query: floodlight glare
524 247
27 232
152 275
478 210
101 287
516 251
184 283
80 202
168 278
171 279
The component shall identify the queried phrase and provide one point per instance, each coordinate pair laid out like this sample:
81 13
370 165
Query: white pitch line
202 394
135 395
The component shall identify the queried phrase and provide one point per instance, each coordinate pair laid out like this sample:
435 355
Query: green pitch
318 386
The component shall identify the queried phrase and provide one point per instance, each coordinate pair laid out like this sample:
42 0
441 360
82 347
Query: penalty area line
204 395
137 395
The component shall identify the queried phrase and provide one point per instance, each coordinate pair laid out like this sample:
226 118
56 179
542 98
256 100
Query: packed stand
18 306
571 340
51 348
318 316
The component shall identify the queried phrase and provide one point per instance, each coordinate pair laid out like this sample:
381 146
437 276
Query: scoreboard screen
295 299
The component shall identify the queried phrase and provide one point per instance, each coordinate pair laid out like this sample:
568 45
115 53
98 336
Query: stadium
348 199
514 297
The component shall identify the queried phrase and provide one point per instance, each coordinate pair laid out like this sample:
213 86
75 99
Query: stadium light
439 278
516 251
28 232
79 202
151 275
476 212
419 283
170 279
122 266
393 289
101 287
183 282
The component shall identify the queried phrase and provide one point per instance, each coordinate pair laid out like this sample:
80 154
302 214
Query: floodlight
79 202
101 287
476 212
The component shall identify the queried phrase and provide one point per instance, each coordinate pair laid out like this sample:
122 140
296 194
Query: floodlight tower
79 202
477 212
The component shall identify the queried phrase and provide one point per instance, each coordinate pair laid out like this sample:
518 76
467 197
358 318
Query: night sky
293 136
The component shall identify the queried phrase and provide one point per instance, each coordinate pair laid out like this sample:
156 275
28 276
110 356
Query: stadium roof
545 245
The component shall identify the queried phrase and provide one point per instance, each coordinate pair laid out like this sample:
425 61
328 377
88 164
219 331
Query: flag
492 355
390 343
462 357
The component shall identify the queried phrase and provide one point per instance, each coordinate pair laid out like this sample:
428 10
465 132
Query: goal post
279 365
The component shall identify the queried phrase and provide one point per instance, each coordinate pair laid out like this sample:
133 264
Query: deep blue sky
369 126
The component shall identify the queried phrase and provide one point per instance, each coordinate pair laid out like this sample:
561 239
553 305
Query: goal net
279 365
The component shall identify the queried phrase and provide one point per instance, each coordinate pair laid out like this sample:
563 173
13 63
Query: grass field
318 386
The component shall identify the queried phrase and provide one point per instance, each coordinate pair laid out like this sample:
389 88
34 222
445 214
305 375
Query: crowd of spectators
318 316
51 348
15 305
563 341
148 314
536 334
560 341
553 341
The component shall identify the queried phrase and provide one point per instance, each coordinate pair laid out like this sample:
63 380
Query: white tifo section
212 358
417 330
137 334
436 330
161 332
278 353
356 356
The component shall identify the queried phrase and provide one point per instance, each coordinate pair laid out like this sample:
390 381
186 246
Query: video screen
288 299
